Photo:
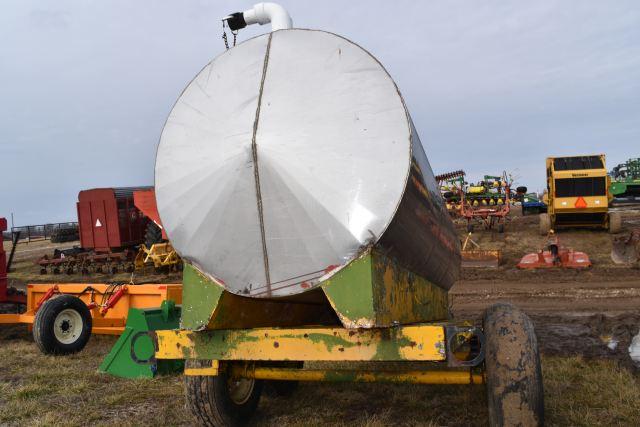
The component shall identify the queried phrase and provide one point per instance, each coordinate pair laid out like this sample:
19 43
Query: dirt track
593 312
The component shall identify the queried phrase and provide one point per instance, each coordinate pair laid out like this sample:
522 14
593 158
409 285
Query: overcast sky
87 85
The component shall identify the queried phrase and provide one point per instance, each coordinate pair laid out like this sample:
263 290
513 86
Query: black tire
512 362
152 235
210 401
615 222
57 317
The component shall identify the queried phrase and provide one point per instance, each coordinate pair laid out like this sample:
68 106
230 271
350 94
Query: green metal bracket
133 355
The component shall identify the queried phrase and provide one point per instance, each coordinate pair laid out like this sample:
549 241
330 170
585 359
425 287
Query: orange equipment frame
108 304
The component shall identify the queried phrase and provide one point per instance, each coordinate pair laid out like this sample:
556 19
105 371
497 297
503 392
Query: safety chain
224 35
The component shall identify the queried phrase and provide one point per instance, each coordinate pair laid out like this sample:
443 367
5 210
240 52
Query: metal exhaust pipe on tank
261 13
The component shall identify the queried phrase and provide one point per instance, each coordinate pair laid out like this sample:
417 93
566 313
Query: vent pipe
261 13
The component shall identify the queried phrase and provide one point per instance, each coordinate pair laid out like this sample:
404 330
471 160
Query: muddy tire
615 222
545 224
512 362
218 401
152 235
62 325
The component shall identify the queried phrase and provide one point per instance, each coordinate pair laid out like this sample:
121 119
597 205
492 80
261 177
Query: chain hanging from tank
224 35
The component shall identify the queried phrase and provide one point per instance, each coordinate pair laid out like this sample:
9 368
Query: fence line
32 233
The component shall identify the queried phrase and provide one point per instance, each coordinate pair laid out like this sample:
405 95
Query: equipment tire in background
152 235
62 325
513 374
545 224
615 222
211 399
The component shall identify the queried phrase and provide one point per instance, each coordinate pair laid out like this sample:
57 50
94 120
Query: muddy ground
592 312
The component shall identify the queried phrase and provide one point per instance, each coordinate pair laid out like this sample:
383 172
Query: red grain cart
108 219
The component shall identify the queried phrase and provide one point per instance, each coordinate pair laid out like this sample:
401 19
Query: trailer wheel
220 400
545 224
62 325
615 222
512 362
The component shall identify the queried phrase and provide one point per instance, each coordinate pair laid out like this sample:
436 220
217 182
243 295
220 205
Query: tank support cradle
251 353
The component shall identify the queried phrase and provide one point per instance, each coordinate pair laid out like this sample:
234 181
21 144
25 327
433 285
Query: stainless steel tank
290 155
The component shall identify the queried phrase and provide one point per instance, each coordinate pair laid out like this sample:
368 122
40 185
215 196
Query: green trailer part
133 355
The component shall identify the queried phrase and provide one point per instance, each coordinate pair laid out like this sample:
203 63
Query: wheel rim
240 389
68 326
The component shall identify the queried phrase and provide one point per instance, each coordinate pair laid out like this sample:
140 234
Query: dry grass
40 390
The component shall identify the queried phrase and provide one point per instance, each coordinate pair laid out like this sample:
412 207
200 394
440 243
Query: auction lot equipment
531 204
577 195
119 228
290 178
625 180
63 316
478 257
555 256
487 203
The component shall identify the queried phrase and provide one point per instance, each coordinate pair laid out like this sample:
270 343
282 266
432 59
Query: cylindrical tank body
290 155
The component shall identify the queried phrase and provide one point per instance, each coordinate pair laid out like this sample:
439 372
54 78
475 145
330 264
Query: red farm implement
118 227
555 256
488 212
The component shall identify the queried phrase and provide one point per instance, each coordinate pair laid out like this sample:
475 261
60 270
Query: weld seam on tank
256 173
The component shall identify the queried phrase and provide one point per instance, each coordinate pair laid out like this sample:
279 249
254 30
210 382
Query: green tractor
625 179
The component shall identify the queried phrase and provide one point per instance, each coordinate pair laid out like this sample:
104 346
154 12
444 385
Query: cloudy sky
491 85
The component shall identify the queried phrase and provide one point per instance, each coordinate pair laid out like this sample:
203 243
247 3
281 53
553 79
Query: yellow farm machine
577 195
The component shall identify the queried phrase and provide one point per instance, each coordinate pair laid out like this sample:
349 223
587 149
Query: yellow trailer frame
242 353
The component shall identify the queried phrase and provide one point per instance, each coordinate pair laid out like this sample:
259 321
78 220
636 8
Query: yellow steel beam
418 342
203 371
415 377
